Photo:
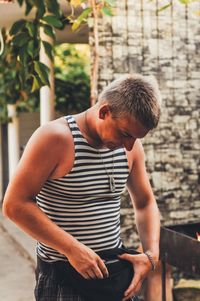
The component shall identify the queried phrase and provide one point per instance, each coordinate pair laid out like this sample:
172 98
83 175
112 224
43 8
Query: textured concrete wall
167 46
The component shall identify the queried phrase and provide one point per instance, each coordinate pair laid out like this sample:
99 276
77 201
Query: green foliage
17 26
42 71
110 2
163 7
170 3
22 74
72 82
49 30
26 42
81 18
107 11
10 83
185 1
53 21
72 95
48 49
49 16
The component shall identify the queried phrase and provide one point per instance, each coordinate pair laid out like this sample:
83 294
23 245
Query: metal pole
163 275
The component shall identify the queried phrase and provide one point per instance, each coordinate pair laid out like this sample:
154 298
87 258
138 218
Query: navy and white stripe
81 202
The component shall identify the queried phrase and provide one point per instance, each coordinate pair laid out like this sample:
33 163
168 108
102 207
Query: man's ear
104 111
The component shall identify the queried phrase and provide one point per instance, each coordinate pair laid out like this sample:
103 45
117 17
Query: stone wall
167 46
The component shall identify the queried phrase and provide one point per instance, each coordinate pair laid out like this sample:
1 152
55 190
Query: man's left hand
142 267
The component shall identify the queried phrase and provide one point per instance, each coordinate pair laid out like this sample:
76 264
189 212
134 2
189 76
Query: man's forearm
34 222
29 217
148 225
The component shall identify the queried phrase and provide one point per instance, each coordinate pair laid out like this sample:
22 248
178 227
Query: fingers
87 263
133 288
100 271
91 275
103 268
97 271
139 273
126 256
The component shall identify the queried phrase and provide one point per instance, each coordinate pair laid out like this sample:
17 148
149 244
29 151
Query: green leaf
53 7
107 11
40 8
30 48
111 2
17 26
48 49
83 16
75 25
163 8
42 70
23 55
20 39
49 31
20 2
28 8
31 28
35 85
53 21
184 1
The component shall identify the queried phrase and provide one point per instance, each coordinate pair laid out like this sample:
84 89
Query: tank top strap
76 133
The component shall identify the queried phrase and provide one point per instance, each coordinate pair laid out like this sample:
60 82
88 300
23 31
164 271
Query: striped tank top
81 202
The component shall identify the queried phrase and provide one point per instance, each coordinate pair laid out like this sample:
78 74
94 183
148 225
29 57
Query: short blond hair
136 95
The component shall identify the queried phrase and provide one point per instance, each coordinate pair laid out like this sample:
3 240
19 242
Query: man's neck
87 122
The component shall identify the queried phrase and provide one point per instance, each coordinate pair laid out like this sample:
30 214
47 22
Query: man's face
120 131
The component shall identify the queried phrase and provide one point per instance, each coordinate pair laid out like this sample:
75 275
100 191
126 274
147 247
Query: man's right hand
87 262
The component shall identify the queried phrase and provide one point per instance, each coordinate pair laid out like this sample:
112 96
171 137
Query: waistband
62 266
110 258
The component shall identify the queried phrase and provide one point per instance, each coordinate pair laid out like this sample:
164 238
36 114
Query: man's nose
128 144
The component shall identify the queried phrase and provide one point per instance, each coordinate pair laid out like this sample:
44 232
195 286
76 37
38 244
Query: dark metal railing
180 248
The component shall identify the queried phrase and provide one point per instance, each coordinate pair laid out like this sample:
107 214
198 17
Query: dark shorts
49 287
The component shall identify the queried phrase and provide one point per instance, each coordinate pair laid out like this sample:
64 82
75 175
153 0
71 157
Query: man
66 190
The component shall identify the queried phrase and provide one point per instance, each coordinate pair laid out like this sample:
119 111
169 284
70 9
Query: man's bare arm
39 162
146 210
147 219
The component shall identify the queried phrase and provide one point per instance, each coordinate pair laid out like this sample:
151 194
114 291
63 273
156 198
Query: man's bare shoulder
51 148
136 155
56 130
54 138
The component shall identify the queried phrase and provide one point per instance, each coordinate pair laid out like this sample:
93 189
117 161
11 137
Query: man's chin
112 146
